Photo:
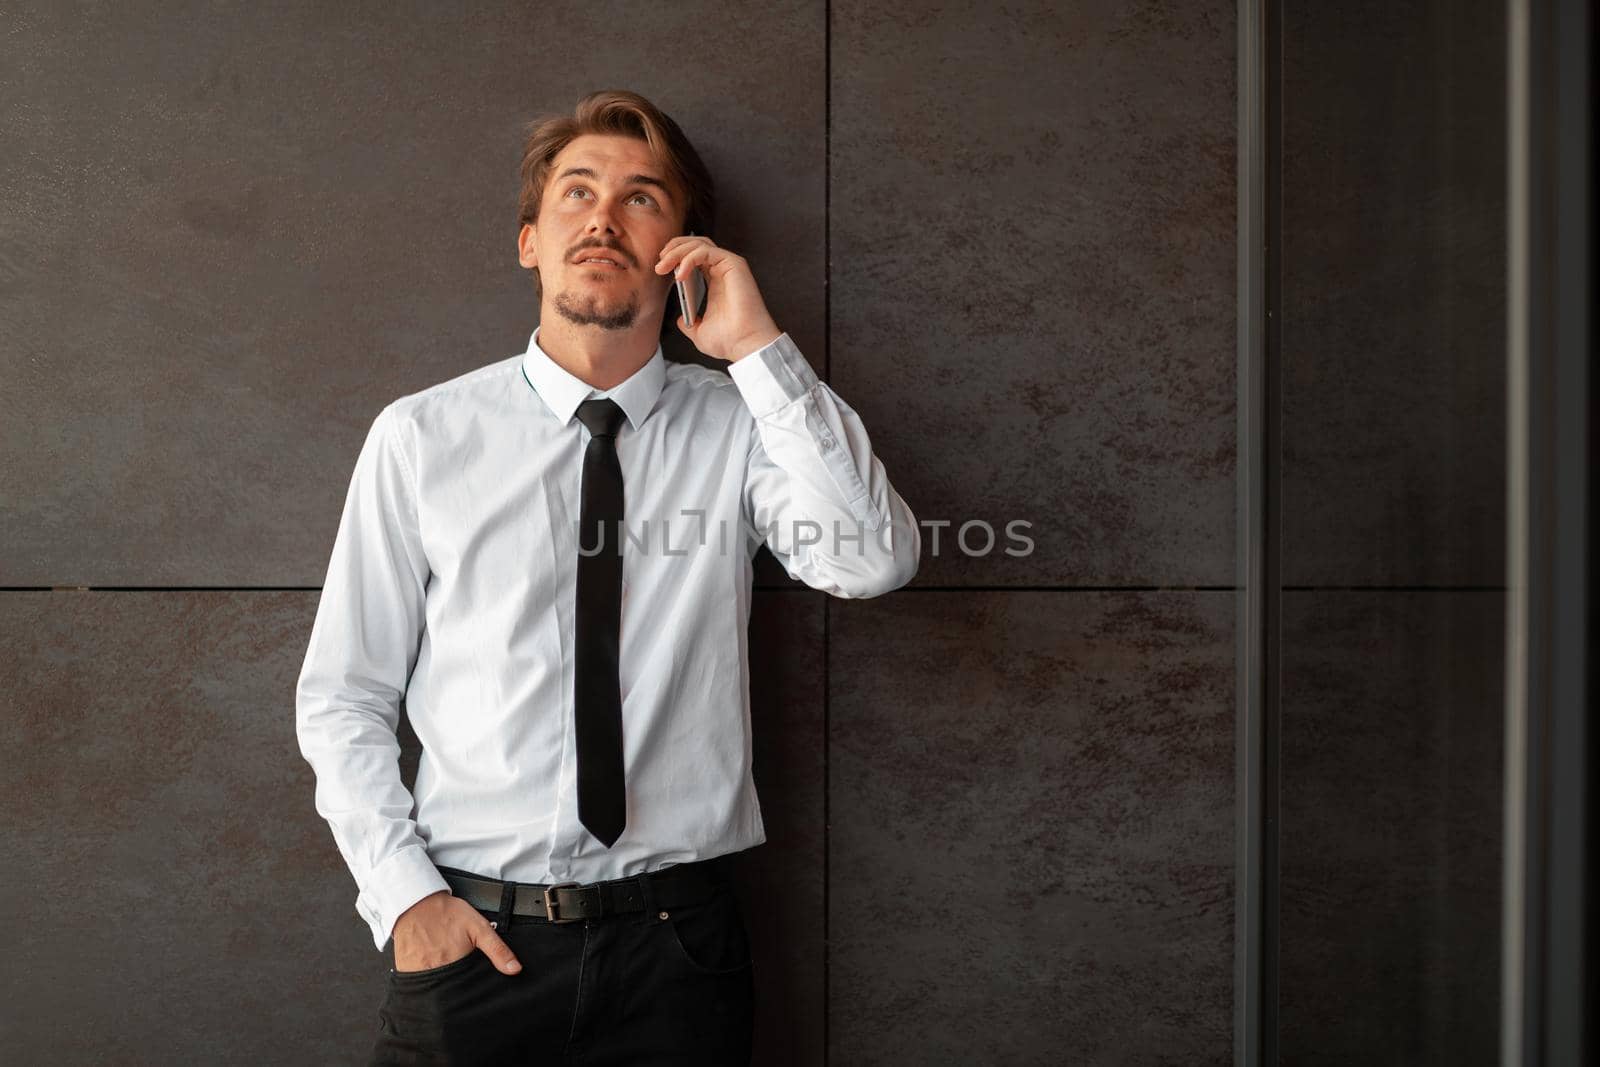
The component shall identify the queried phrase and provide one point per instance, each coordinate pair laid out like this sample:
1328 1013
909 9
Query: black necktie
597 689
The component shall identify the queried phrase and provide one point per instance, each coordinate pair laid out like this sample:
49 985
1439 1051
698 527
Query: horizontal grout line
801 588
1394 589
1065 589
161 588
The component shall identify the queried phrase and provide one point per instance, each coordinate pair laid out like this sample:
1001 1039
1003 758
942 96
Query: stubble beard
587 309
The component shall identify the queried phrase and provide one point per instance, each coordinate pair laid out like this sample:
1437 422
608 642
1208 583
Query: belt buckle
550 908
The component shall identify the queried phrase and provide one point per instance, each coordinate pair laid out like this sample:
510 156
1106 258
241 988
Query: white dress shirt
452 584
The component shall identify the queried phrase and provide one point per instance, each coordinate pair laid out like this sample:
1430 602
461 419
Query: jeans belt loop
508 899
648 896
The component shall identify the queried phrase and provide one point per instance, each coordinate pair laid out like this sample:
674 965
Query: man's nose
602 219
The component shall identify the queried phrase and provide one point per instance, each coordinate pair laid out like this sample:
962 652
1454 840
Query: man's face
621 209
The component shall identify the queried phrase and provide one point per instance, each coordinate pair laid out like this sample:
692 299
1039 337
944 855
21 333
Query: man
549 558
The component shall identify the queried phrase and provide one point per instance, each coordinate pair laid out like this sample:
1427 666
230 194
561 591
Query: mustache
621 253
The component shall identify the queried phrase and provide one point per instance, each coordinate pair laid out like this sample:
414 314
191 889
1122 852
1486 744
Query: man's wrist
401 880
755 342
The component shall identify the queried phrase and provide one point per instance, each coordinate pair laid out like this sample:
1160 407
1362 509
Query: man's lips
617 265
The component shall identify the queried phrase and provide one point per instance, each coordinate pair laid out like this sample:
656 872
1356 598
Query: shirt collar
562 391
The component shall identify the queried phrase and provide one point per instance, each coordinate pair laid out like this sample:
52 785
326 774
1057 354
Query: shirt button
827 443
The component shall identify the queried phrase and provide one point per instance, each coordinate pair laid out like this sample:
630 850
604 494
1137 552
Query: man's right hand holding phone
442 928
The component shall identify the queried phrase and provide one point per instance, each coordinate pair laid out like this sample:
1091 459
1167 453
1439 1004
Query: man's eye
635 196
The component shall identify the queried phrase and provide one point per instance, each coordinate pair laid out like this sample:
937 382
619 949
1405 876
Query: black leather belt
677 885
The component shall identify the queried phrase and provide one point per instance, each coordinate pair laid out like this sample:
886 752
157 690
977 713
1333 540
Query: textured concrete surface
232 235
1393 739
1032 849
1032 284
781 883
243 232
1006 237
170 894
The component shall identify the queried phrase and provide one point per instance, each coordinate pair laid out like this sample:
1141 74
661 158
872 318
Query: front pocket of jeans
710 937
443 968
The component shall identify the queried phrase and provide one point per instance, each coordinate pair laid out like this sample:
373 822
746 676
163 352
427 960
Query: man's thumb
493 946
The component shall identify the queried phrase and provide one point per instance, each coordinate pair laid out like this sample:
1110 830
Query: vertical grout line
827 789
827 368
1246 976
1270 528
827 189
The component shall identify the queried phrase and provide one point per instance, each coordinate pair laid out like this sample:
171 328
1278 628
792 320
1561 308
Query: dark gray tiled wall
1031 858
1393 753
1032 278
1032 281
781 882
169 894
244 235
233 237
170 889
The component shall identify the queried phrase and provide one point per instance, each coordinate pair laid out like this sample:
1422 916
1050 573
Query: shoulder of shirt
713 387
704 392
695 377
486 384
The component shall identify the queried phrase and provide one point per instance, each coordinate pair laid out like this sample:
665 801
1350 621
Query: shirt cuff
399 882
772 376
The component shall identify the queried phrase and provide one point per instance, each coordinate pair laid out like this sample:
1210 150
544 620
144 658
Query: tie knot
601 415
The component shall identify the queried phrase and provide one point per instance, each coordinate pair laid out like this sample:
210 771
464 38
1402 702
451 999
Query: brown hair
617 111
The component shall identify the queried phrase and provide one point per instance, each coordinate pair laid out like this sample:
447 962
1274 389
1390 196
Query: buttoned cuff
396 884
772 376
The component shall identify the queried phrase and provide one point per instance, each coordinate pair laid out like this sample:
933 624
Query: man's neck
599 358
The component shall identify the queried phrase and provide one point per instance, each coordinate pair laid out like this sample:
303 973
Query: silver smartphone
692 293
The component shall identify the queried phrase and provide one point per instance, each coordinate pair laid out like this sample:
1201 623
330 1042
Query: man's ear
527 246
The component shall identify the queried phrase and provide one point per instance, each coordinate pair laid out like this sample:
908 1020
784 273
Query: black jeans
634 988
